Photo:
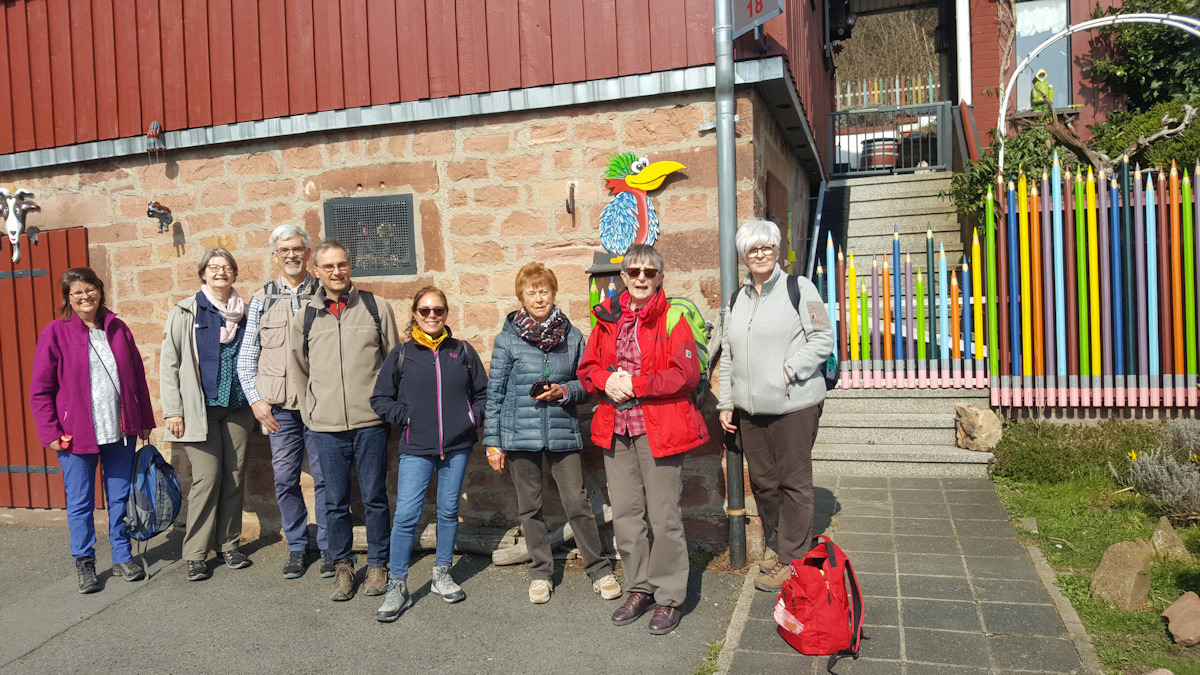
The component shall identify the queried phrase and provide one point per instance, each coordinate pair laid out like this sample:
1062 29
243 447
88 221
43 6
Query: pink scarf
232 310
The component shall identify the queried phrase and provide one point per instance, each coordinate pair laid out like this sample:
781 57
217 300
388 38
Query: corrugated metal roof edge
759 71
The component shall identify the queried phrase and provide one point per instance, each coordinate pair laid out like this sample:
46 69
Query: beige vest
273 382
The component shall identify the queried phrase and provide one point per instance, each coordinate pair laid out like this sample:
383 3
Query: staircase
896 432
868 208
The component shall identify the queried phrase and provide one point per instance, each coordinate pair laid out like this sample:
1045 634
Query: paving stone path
949 587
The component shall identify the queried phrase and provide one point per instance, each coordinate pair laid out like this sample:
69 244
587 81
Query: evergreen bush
1043 452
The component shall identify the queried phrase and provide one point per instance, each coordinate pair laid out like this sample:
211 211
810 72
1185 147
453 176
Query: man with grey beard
263 370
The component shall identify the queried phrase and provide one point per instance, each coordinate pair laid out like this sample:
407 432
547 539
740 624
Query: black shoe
635 606
235 559
297 564
86 567
130 571
197 570
665 620
327 566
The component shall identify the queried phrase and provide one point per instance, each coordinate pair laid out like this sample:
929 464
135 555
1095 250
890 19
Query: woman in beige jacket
205 410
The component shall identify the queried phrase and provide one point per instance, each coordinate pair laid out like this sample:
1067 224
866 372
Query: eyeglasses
341 267
217 269
89 293
286 252
760 252
635 272
435 311
538 294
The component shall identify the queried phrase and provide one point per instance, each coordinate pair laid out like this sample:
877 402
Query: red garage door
29 299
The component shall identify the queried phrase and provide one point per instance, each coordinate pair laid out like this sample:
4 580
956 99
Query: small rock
1184 619
977 427
1030 524
1167 543
1123 577
1160 671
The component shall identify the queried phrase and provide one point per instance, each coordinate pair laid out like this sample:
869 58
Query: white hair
288 231
755 233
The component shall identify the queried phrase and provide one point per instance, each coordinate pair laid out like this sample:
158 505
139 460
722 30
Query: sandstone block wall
488 195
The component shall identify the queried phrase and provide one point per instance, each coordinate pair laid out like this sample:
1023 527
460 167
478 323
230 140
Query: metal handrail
883 139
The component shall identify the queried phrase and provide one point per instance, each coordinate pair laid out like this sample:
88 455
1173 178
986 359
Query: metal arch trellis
1183 22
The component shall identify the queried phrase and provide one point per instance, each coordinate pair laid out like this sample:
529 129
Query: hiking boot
327 566
772 581
635 606
377 580
296 565
539 591
130 571
396 601
608 587
86 567
769 559
444 585
235 559
197 570
343 580
665 620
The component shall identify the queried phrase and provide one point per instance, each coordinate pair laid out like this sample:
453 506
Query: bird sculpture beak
651 177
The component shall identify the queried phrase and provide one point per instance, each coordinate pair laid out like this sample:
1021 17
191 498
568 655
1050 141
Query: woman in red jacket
644 371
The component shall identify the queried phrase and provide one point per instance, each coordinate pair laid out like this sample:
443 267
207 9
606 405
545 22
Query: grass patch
1049 453
1077 519
709 665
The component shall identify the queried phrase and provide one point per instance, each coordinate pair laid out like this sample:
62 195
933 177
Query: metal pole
727 228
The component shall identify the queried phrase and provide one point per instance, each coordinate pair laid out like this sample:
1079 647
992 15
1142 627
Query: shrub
1032 150
1049 453
1171 485
1145 63
1181 438
1124 128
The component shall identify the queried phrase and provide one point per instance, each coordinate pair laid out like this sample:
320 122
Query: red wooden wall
27 304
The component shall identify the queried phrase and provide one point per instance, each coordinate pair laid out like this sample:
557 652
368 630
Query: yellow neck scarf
421 337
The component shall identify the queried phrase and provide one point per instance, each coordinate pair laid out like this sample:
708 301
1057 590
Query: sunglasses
635 272
436 311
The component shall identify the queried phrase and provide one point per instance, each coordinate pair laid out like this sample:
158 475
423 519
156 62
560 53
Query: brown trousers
214 514
642 485
778 450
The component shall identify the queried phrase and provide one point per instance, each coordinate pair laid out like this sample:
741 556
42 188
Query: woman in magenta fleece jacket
90 403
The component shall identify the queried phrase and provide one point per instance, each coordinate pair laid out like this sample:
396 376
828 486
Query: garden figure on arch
629 218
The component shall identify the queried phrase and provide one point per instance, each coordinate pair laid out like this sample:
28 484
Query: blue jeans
365 450
79 481
287 455
413 482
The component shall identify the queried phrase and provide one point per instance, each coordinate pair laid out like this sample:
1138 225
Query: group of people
322 367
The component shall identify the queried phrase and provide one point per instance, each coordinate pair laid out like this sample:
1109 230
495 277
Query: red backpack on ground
815 613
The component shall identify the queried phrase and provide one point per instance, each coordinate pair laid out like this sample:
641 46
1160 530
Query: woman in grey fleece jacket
773 391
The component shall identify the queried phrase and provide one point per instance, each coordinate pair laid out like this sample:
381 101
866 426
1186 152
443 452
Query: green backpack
701 331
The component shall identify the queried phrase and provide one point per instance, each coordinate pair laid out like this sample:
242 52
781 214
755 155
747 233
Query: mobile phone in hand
539 388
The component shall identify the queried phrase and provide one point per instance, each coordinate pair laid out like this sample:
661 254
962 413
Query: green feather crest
620 165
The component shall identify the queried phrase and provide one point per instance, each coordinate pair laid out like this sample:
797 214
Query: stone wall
488 195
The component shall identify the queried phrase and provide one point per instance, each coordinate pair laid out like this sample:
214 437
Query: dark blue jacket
514 421
208 343
436 399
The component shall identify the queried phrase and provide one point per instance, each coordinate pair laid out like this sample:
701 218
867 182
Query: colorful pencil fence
1082 291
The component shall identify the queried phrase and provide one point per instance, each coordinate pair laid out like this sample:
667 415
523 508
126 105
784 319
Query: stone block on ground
1167 543
1183 617
977 427
1160 671
1123 577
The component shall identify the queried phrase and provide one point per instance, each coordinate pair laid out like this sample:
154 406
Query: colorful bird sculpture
14 209
629 218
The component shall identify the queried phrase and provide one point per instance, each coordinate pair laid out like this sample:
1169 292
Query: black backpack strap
793 286
733 298
368 299
270 295
310 315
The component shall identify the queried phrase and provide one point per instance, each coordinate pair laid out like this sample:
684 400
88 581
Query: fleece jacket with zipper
436 398
772 355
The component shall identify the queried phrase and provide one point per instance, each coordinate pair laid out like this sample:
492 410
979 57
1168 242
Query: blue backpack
154 499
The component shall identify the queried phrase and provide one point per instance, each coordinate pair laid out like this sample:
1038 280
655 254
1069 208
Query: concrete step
914 177
890 208
904 405
909 393
933 420
899 190
888 435
863 247
898 460
945 227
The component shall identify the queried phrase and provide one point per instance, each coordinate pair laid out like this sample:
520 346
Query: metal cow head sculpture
14 209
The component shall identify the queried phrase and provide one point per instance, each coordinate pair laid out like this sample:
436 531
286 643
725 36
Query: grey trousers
214 515
567 470
642 485
778 450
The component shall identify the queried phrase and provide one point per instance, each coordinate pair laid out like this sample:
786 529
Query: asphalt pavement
254 620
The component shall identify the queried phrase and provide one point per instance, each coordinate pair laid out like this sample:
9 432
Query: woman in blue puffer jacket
532 394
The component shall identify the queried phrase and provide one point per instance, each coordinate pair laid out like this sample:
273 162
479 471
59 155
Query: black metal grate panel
376 231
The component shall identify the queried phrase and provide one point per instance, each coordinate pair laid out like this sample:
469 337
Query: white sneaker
444 585
539 591
608 587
